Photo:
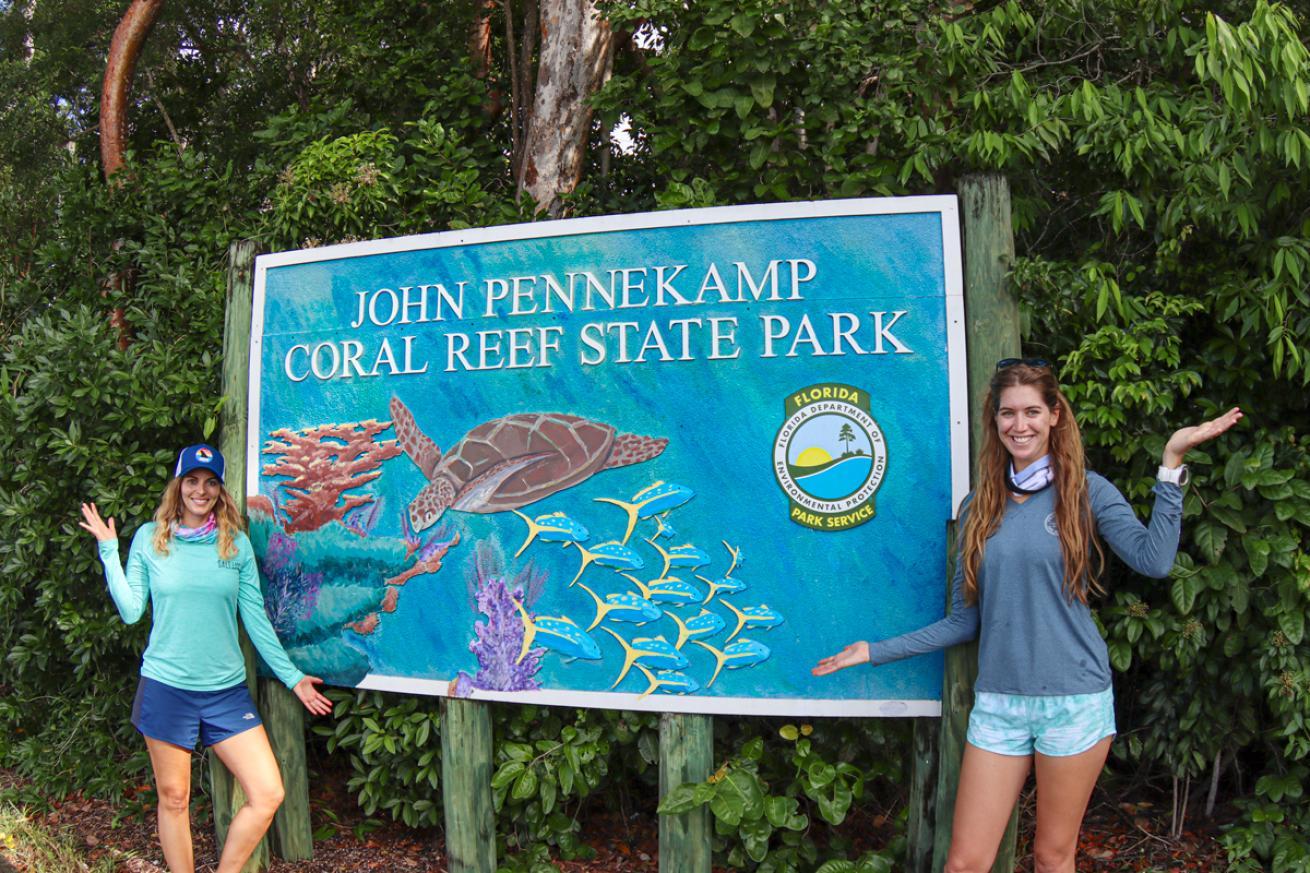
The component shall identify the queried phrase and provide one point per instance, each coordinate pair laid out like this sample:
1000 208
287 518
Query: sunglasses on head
1027 362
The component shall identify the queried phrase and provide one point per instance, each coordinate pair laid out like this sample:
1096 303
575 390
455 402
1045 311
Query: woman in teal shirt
195 566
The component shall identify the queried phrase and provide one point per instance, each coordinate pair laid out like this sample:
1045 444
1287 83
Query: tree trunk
480 39
481 55
576 53
28 11
124 51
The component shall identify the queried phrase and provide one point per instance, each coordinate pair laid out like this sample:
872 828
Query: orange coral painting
322 465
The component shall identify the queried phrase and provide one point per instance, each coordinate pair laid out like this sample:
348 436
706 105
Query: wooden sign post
686 755
466 766
992 328
281 712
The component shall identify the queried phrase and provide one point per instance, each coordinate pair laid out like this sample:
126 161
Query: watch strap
1174 475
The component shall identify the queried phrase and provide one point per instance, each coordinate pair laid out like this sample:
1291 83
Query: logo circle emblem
830 456
204 455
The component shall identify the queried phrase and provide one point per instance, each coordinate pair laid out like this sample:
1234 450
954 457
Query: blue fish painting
734 656
623 606
703 625
664 530
651 500
668 682
559 634
726 584
670 589
608 554
761 616
655 652
685 555
553 528
737 558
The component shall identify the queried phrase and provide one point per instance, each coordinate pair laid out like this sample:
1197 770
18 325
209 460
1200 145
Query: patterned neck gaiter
206 533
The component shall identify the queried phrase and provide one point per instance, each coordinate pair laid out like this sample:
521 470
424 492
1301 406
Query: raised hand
316 703
1187 438
855 653
96 526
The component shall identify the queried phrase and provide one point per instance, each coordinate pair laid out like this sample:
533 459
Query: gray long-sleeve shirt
1032 640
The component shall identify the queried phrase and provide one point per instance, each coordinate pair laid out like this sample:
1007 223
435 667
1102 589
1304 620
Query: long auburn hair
1073 509
170 510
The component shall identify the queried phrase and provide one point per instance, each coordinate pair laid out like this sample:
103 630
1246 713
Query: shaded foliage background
1156 154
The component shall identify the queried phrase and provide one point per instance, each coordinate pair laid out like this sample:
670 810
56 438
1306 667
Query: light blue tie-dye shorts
1016 724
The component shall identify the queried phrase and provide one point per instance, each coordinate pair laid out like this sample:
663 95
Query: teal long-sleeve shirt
194 597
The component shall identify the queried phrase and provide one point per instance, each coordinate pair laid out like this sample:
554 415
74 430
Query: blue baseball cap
199 457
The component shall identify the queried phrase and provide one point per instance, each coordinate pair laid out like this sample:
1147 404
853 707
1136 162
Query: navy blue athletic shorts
180 717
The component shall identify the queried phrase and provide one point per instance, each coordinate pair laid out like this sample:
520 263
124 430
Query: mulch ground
1117 837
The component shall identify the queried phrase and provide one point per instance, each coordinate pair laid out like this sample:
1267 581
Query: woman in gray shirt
1029 556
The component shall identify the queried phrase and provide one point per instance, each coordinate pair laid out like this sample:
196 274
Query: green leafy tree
1156 160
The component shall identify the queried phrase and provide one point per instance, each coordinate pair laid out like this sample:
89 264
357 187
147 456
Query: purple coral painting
498 643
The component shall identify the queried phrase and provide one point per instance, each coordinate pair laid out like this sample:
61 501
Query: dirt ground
1118 837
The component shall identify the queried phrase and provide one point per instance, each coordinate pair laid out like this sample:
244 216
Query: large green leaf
682 798
1183 592
1292 624
755 837
1211 538
834 806
738 797
782 812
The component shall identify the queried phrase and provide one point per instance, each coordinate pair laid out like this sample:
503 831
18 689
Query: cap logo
204 455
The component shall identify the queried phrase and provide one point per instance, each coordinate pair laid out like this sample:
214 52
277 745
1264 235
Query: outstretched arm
961 625
1151 549
250 601
129 590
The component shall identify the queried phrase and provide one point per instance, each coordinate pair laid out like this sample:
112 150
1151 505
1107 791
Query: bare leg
250 758
1064 785
989 789
172 766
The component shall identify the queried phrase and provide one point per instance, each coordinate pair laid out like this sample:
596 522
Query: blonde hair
170 511
1073 508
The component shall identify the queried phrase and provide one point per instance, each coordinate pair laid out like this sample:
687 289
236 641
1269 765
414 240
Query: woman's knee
959 862
174 797
1053 859
268 798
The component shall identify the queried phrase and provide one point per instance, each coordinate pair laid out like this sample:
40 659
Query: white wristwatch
1174 475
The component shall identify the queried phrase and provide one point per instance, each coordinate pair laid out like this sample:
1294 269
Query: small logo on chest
1050 525
229 565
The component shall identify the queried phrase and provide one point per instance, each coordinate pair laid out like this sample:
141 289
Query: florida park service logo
830 456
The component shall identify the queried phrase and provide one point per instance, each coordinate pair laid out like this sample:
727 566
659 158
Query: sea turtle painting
512 461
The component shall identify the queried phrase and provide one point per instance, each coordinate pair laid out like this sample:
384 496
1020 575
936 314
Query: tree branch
124 52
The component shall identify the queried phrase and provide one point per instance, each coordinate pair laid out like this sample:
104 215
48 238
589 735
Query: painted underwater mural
542 464
338 578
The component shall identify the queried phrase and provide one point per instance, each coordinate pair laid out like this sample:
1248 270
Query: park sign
662 461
